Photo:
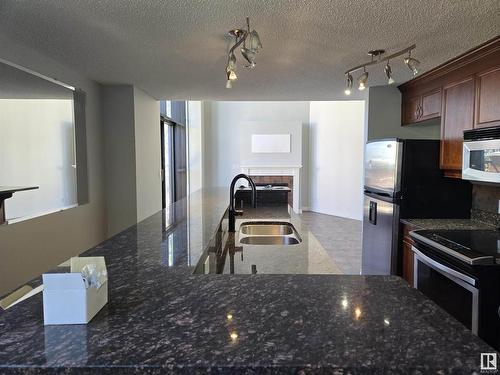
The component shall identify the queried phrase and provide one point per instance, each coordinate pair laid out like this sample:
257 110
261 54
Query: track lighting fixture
362 80
412 63
377 57
388 73
251 46
348 84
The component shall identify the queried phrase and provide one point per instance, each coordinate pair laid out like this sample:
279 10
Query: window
38 145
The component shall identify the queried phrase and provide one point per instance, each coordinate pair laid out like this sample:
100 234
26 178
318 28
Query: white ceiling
177 48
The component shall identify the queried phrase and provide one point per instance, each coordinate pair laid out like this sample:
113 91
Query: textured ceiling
177 48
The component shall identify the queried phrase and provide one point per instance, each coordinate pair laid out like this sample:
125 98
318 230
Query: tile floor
340 237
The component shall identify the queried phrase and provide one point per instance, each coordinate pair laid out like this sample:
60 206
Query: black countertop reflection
163 319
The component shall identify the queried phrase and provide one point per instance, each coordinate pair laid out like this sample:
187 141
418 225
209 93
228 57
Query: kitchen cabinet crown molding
469 57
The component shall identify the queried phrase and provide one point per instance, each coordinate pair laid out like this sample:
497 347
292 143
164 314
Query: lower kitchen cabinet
457 116
407 262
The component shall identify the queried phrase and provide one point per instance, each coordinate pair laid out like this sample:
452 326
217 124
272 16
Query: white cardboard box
66 299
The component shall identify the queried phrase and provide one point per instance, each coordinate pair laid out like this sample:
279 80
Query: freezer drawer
382 163
379 237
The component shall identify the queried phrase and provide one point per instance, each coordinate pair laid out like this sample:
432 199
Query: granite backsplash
485 204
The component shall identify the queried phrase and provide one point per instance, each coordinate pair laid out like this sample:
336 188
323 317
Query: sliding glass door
173 160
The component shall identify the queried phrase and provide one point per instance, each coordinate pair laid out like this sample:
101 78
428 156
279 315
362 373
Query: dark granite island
163 319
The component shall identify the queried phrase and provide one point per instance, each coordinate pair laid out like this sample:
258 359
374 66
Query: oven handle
451 272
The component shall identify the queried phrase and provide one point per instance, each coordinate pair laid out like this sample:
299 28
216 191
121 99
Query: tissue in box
69 299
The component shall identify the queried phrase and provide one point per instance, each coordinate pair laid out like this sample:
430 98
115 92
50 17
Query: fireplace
276 181
278 175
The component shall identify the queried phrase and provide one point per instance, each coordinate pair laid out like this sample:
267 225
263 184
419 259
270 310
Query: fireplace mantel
278 170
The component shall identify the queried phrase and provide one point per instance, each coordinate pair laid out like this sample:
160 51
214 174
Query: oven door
455 292
481 161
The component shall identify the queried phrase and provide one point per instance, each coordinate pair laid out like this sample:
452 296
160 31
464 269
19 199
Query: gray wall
119 130
384 117
29 248
131 120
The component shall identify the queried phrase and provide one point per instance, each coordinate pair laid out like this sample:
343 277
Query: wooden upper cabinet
457 116
487 103
421 107
431 104
411 107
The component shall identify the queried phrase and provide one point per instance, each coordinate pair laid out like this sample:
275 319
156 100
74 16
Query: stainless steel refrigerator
403 180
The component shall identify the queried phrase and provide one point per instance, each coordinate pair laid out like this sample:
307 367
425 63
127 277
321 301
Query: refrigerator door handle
372 214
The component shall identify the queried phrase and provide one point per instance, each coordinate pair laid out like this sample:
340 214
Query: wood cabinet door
456 116
407 262
411 108
488 98
431 105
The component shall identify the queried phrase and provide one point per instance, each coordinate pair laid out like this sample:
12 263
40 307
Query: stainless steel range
460 271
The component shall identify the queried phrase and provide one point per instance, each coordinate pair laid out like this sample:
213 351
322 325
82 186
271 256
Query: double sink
268 233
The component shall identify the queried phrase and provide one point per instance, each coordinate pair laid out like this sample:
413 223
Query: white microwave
481 155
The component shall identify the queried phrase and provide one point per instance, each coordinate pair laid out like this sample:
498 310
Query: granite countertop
479 220
163 319
447 224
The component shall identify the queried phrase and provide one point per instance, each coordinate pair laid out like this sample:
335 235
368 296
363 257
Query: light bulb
232 75
347 91
229 84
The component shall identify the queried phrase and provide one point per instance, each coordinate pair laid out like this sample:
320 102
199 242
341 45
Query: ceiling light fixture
362 80
377 57
388 73
412 63
251 46
348 84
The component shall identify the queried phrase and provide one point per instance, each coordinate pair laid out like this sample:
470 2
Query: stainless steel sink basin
269 240
266 229
268 233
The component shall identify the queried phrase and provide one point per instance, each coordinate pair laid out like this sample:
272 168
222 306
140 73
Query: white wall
147 154
227 123
336 157
37 149
195 144
31 247
384 117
